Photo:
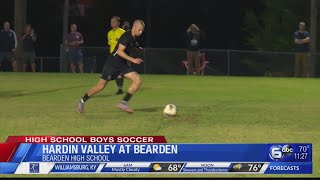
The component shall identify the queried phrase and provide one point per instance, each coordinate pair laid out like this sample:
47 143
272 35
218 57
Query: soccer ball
170 110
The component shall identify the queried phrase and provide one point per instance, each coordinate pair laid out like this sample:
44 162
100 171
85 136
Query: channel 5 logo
277 152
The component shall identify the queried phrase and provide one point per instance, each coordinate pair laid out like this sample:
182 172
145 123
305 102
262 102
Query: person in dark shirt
301 41
193 42
73 40
116 64
28 40
126 26
8 45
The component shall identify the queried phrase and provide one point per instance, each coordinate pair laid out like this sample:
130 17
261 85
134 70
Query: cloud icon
157 167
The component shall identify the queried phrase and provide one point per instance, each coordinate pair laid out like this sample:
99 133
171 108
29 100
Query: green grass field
211 110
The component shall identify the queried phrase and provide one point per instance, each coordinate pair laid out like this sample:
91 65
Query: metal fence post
228 54
145 60
41 64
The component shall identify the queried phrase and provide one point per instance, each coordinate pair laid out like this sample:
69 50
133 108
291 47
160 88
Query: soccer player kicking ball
116 65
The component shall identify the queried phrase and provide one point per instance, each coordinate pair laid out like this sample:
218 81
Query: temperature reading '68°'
174 167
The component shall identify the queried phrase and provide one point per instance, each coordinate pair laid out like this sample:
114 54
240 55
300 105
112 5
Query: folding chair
203 63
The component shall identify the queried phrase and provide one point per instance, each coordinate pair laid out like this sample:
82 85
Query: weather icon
157 167
237 166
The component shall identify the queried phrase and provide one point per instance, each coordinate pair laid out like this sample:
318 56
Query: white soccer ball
170 110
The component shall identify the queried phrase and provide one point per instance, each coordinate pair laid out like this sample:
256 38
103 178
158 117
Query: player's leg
14 65
119 82
72 60
24 67
296 65
73 68
32 62
300 65
197 61
305 65
133 88
190 62
81 67
25 60
33 67
80 63
92 91
13 62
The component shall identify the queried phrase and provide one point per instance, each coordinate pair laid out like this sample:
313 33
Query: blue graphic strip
21 152
169 153
289 168
8 168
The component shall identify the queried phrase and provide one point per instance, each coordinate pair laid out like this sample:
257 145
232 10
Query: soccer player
116 65
113 37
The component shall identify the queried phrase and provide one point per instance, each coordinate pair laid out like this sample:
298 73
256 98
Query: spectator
28 40
193 42
73 40
8 45
126 26
301 40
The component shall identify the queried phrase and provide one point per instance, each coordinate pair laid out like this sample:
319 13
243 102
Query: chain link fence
220 62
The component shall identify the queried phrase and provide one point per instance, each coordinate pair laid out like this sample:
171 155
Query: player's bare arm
125 56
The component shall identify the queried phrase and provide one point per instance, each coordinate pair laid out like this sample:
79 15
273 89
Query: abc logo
277 152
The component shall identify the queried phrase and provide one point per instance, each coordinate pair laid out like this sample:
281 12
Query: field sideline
210 110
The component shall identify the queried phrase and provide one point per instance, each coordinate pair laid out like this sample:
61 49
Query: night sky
220 20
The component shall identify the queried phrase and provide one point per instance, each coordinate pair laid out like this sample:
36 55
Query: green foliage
272 28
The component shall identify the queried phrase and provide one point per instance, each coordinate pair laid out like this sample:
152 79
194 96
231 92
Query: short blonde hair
302 23
139 21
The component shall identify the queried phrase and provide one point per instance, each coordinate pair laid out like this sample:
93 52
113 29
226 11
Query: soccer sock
126 98
119 82
85 98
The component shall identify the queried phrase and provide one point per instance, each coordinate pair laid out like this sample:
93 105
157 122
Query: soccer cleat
80 107
119 92
124 107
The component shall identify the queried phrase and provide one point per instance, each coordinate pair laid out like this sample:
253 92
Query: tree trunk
20 9
313 35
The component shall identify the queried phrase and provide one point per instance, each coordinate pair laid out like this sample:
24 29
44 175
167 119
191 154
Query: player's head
115 22
302 26
6 26
194 28
73 28
138 27
126 25
28 28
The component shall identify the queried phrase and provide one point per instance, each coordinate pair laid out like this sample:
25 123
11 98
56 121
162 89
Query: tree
271 27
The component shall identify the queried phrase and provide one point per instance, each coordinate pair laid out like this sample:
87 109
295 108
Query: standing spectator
113 37
28 39
73 40
8 45
193 42
301 40
126 26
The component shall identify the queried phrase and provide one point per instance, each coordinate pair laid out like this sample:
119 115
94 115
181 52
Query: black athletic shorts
110 72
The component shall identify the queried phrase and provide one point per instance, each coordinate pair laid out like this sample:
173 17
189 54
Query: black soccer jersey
129 42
